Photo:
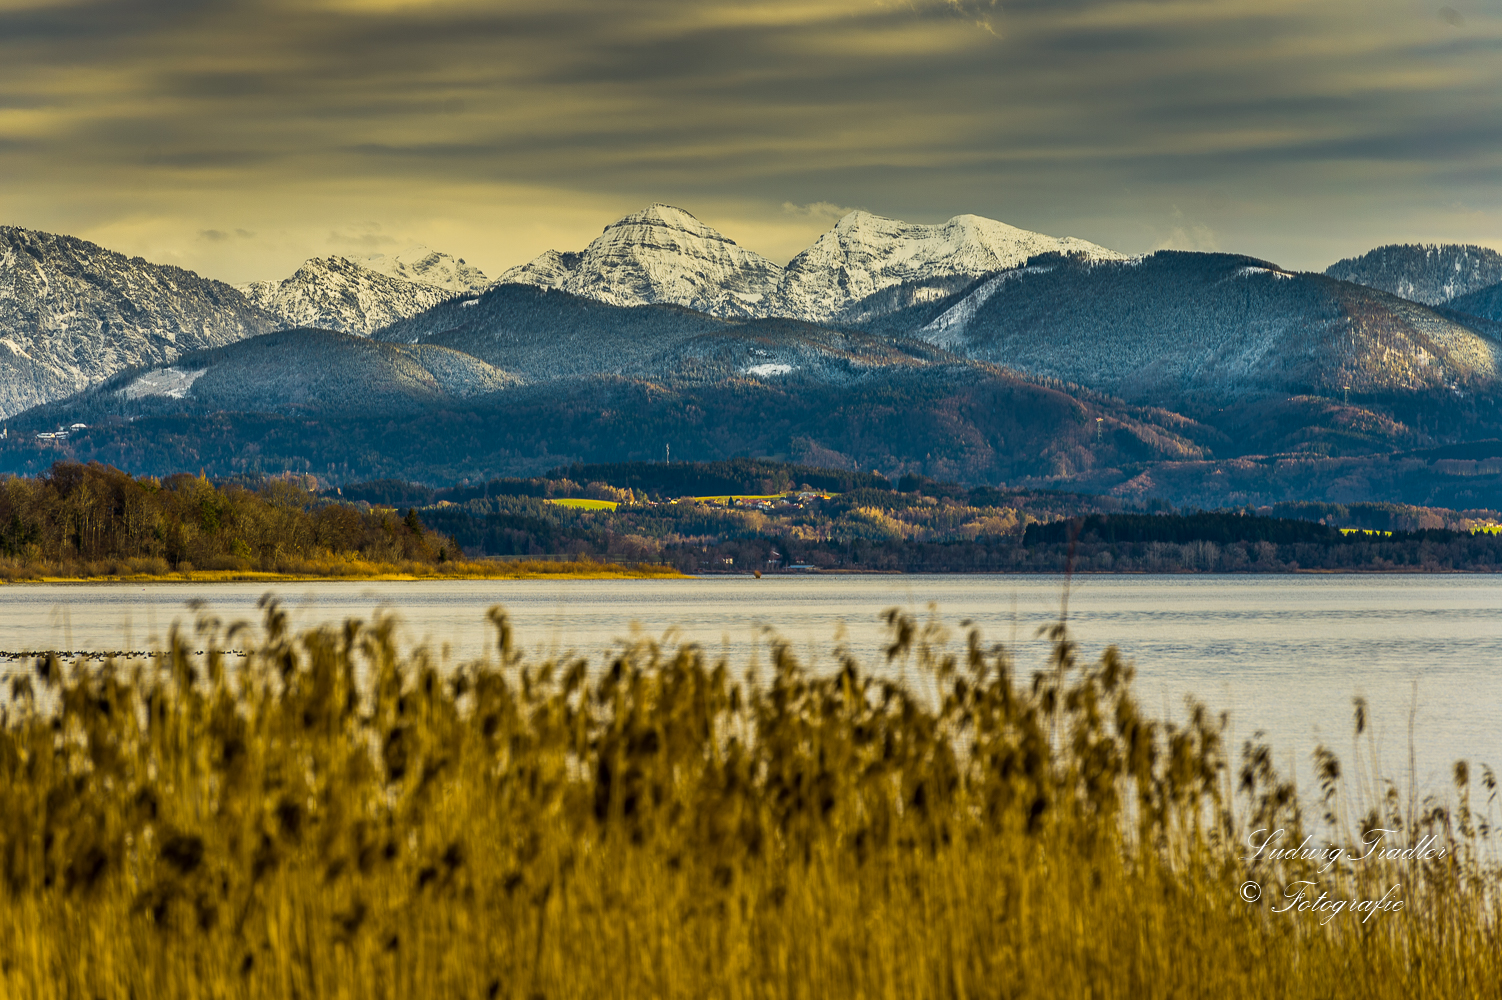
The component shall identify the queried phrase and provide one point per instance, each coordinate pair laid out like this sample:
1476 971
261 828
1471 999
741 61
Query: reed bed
332 817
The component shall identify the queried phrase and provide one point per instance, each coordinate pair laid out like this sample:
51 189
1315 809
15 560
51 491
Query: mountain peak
361 296
426 266
671 218
865 254
663 254
856 219
660 254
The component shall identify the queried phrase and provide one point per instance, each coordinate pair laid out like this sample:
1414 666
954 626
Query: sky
240 137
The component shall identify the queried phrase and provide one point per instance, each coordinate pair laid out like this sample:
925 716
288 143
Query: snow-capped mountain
1175 325
865 254
664 255
430 267
1428 273
360 297
305 371
73 313
659 255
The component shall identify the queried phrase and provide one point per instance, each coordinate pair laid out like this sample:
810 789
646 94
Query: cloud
1185 234
366 235
1340 121
220 236
823 210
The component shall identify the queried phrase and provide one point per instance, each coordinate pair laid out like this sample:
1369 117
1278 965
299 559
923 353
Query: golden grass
113 571
337 820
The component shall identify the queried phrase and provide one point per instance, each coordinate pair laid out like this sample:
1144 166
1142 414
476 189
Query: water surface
1283 654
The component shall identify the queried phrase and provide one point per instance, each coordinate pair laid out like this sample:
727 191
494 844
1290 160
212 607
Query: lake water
1284 654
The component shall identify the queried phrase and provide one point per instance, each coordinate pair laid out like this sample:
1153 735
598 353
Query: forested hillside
545 333
541 334
935 527
95 520
1178 327
969 423
291 371
1485 302
1425 273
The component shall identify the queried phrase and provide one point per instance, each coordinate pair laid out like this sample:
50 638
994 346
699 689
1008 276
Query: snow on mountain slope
73 313
549 269
430 267
360 297
866 253
319 370
662 255
306 371
1178 325
1427 273
948 329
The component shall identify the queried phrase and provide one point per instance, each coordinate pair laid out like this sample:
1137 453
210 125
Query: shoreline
268 576
255 576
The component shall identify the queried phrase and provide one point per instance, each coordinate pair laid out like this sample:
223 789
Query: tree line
973 531
103 521
76 515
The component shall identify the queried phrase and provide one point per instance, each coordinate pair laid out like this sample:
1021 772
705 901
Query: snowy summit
663 254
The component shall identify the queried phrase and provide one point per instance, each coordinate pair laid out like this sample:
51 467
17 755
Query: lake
1283 654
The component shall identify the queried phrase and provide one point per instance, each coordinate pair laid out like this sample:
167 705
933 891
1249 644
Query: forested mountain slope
543 334
73 313
1176 326
302 371
1485 302
1424 273
969 422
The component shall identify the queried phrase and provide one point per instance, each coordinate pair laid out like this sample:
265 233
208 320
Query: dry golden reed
332 818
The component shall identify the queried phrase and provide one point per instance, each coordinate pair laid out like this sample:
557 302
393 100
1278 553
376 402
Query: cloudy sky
238 137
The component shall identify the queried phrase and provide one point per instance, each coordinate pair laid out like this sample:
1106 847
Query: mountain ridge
1430 273
73 312
363 296
1174 325
662 255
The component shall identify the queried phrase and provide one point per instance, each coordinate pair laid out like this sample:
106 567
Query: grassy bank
337 819
154 571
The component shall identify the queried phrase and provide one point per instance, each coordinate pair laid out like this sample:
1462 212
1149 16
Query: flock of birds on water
73 654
